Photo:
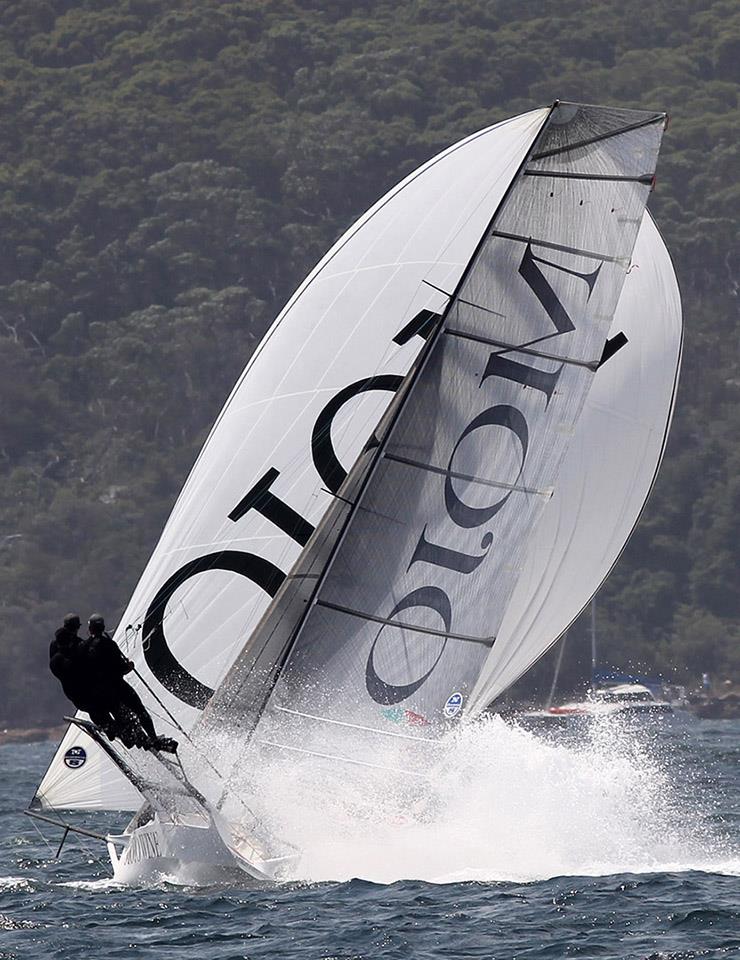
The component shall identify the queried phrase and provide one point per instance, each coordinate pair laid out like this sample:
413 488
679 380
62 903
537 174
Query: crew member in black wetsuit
92 672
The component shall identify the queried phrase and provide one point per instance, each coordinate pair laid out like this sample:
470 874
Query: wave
498 803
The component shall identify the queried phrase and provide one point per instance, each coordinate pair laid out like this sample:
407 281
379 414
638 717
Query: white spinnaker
607 473
336 330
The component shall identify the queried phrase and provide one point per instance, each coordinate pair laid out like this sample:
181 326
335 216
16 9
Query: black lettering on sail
502 415
501 366
544 292
261 499
324 456
423 323
388 693
160 659
427 552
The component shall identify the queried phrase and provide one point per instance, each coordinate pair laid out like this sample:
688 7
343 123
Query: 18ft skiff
427 469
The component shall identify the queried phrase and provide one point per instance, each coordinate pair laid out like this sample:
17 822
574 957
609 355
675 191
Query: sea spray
492 802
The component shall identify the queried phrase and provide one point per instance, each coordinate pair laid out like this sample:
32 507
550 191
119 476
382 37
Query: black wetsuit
91 672
68 665
118 697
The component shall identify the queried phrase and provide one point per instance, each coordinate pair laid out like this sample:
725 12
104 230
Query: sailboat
426 470
610 694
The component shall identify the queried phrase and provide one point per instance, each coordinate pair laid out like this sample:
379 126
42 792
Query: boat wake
500 803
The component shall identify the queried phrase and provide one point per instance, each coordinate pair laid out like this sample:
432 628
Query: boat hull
188 854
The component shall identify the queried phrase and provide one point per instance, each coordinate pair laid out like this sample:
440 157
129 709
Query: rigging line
357 726
645 178
498 484
199 753
331 756
483 641
184 732
38 831
68 828
577 251
657 118
591 365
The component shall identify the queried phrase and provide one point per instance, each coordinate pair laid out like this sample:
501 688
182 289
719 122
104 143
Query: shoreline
31 734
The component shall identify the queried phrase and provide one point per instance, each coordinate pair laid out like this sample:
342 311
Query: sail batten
525 348
402 625
549 245
456 475
645 178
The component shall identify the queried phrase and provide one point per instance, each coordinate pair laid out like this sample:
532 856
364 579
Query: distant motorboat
622 699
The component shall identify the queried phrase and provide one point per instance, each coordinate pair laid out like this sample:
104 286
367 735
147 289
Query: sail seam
483 641
444 472
645 178
559 246
357 726
659 118
514 348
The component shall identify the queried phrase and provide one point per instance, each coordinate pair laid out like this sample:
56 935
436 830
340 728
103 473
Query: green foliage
170 172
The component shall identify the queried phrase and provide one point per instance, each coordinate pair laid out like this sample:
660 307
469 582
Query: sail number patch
75 757
453 706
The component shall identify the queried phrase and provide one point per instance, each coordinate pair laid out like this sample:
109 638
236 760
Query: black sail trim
658 118
515 348
456 475
558 246
646 178
483 641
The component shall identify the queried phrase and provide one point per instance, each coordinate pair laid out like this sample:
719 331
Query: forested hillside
170 170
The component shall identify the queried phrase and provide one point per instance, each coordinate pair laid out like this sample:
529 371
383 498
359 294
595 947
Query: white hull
190 854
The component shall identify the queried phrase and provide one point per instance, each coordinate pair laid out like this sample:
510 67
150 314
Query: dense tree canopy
172 168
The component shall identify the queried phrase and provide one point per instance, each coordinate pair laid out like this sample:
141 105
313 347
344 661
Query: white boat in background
622 699
427 469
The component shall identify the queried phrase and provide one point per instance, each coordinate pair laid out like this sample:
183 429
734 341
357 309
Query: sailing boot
165 744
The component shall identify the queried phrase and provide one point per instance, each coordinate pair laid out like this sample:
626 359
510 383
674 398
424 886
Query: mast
556 674
593 641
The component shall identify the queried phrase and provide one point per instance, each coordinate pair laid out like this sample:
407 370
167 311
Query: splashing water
494 802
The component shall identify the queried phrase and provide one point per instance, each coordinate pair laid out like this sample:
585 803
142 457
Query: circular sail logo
453 705
75 757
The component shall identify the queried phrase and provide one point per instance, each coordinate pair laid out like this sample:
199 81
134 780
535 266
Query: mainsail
395 609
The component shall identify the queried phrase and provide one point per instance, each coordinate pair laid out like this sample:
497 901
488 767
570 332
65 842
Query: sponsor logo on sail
453 706
75 758
399 715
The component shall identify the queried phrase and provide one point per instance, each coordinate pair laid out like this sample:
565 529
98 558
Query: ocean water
607 841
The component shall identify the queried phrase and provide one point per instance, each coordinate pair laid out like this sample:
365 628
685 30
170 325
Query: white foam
15 883
499 804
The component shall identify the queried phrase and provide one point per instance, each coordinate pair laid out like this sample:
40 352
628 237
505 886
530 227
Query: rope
192 743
